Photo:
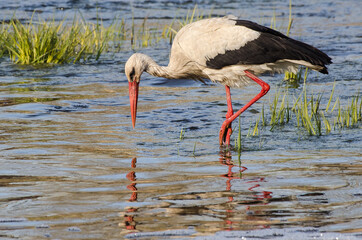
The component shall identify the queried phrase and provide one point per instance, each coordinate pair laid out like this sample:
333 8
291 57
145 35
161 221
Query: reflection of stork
129 216
228 51
226 159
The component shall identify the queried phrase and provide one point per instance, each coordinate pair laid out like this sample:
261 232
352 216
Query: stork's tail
315 58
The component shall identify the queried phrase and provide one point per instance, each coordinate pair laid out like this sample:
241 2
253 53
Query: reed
3 38
144 35
182 134
331 97
279 109
351 115
52 42
308 114
274 25
290 20
238 143
306 111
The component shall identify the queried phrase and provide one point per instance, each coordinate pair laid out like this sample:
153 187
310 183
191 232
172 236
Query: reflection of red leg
255 186
133 197
264 195
131 176
267 194
259 180
225 159
132 187
133 163
129 222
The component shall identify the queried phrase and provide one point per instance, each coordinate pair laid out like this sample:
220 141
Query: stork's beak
133 98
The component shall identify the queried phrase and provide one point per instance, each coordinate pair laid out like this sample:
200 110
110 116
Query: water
72 167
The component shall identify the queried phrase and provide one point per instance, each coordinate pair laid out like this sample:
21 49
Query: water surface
72 167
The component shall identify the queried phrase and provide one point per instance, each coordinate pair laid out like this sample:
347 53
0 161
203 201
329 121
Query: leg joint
265 88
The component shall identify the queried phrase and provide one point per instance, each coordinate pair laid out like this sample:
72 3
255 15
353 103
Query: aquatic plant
351 115
279 110
143 35
182 134
3 38
51 42
238 141
308 114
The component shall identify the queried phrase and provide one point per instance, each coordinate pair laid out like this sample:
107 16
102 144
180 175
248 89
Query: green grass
349 116
279 109
307 113
182 134
193 152
238 141
52 42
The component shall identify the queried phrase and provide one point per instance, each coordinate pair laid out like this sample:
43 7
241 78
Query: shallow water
72 167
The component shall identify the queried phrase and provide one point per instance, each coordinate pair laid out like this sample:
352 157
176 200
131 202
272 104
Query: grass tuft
51 42
279 109
308 113
350 116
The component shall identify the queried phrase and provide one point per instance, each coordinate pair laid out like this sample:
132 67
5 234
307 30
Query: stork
228 51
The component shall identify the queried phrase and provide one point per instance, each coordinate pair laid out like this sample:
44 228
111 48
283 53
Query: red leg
230 112
226 126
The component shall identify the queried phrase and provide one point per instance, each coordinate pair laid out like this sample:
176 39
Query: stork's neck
159 71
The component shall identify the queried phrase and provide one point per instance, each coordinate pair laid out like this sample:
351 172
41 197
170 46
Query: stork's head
134 68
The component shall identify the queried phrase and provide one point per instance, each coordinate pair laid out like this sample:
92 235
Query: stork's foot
226 130
225 133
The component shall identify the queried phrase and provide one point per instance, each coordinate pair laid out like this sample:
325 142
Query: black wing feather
269 47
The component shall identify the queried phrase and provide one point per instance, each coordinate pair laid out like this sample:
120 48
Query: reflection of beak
133 98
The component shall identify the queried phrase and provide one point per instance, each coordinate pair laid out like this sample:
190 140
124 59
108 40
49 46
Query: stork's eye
131 75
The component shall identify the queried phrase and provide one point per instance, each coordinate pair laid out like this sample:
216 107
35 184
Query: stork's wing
221 42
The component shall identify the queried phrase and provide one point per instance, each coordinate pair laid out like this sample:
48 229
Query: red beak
133 98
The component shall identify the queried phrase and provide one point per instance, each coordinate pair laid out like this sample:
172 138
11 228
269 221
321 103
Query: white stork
227 51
